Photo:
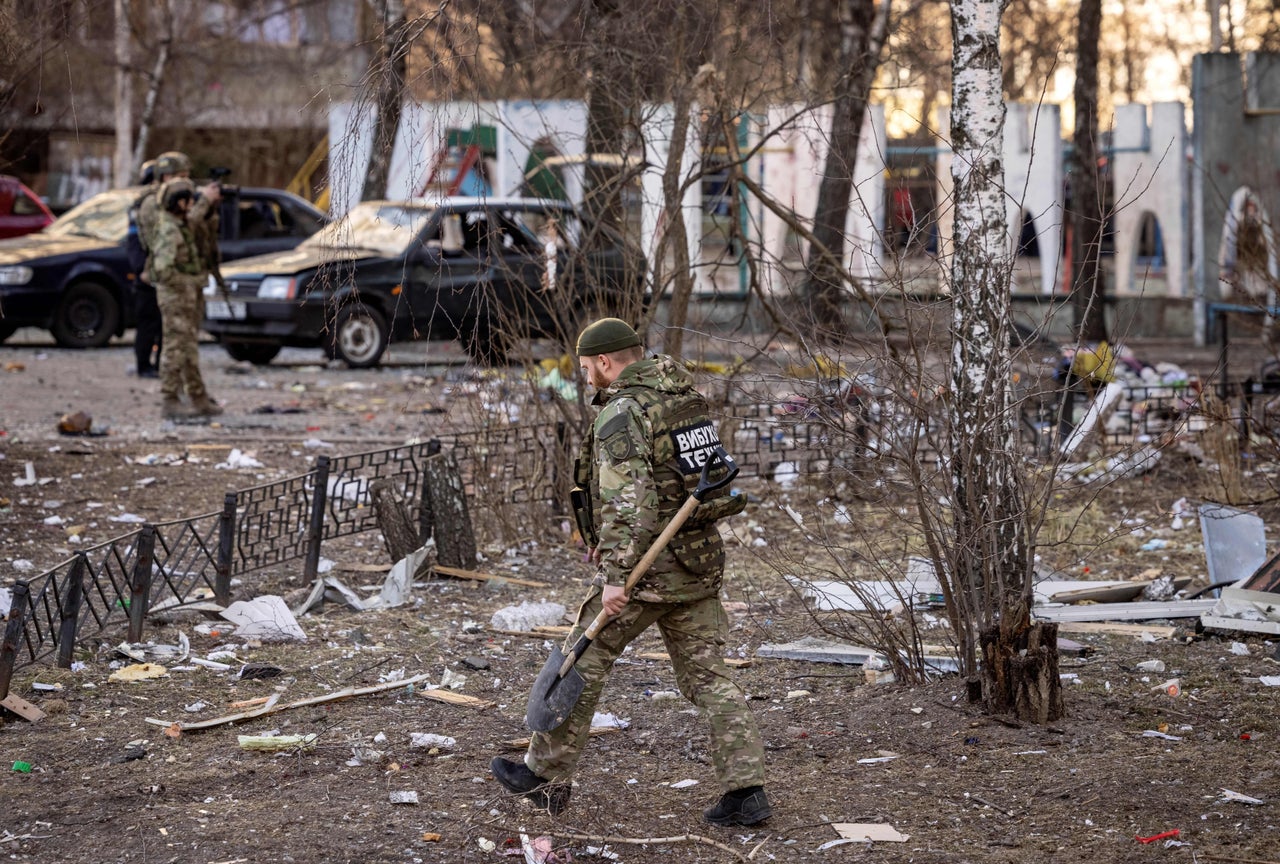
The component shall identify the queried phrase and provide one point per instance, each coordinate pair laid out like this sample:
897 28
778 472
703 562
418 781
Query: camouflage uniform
175 268
646 451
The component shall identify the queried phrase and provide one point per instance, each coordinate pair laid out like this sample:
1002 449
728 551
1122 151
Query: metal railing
183 560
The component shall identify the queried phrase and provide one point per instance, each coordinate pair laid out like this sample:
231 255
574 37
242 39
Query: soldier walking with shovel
652 479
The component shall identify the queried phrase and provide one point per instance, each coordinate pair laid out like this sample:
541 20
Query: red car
21 211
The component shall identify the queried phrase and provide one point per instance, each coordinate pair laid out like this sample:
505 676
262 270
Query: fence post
426 515
315 529
226 547
560 488
13 634
69 611
140 584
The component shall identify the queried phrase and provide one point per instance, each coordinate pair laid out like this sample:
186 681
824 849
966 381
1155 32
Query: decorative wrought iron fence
288 520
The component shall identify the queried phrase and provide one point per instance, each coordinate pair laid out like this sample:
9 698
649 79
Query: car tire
483 344
7 330
87 317
359 337
257 353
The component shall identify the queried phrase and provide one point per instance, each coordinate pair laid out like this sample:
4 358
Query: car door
449 272
255 224
528 266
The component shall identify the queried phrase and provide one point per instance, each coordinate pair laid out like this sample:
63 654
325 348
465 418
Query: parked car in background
21 210
74 280
485 271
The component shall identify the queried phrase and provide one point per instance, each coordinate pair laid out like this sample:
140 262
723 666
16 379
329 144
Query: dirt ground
107 786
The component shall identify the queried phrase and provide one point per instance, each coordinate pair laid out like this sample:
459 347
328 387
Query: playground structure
1171 214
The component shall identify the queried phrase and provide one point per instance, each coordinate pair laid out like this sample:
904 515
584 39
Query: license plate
224 309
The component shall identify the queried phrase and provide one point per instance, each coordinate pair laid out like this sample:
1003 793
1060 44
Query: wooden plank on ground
24 709
1159 631
542 631
460 573
451 698
272 707
522 743
731 662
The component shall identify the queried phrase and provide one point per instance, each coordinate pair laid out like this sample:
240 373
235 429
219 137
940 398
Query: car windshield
103 217
387 229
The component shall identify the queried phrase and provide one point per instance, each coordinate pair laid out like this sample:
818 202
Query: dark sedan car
74 279
485 271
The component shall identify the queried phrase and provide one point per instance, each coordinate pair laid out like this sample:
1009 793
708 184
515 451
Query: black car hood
293 261
20 250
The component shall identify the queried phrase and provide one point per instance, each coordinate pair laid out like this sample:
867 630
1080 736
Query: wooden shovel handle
705 485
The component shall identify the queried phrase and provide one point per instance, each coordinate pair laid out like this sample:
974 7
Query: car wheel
483 344
87 317
257 353
7 330
359 337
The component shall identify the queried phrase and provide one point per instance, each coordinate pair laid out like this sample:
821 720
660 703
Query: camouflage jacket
174 261
148 209
644 456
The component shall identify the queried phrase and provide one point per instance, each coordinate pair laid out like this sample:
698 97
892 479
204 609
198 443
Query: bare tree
387 75
863 25
1088 283
988 563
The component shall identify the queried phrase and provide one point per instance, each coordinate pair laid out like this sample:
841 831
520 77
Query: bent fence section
185 560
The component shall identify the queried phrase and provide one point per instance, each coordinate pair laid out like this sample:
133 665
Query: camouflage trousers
180 328
694 635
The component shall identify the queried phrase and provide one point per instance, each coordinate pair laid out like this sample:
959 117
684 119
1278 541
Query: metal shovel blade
552 698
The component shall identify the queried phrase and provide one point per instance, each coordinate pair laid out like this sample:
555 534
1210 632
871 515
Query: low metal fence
287 520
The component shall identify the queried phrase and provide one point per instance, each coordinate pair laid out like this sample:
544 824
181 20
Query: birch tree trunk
154 84
388 74
123 164
1088 283
990 558
862 35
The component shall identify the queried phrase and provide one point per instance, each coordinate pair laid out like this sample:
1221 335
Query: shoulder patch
615 439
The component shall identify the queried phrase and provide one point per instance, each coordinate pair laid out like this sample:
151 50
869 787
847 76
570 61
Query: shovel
559 685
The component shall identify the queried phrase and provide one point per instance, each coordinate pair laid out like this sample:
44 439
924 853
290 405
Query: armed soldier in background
146 342
177 269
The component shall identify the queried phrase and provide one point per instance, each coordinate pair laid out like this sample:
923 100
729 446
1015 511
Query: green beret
606 336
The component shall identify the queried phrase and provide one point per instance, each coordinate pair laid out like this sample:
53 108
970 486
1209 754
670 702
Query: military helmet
172 162
147 173
174 191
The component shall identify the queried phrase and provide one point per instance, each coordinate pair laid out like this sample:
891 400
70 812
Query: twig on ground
651 841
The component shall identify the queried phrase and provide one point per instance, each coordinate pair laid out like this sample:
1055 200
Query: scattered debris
1228 795
398 585
271 706
237 459
869 832
138 672
278 743
251 671
1235 543
407 796
431 741
266 618
461 573
527 615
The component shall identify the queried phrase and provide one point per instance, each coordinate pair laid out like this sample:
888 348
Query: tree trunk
1088 286
455 539
153 85
676 237
124 165
388 74
859 56
1023 674
393 519
612 101
990 558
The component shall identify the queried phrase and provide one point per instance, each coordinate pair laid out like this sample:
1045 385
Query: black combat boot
740 807
516 777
